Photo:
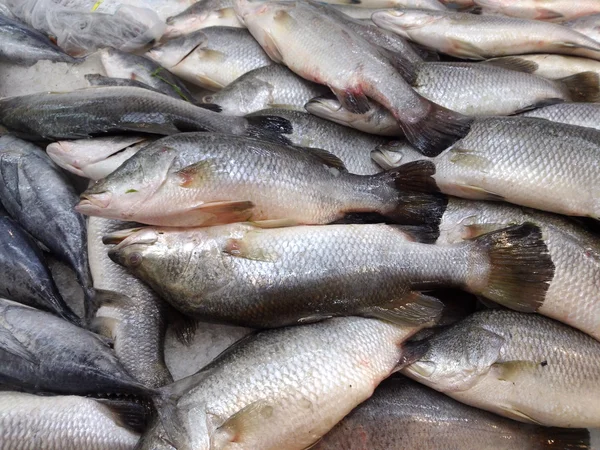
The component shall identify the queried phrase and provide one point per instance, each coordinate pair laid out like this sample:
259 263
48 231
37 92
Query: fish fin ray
326 157
509 370
520 416
354 100
275 223
412 309
475 192
466 49
573 45
247 420
548 14
105 327
196 175
583 87
244 248
514 63
271 48
127 414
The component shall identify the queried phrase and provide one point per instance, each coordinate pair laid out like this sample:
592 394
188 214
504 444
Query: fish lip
117 237
98 200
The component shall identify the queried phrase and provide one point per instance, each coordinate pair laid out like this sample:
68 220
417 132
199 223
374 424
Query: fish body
39 196
61 423
320 49
404 414
580 114
550 66
473 36
203 14
505 362
555 10
256 395
587 25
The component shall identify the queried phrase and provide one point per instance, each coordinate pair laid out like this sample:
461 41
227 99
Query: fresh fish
522 366
371 4
202 14
260 278
118 64
257 394
222 55
488 90
377 120
38 195
80 156
25 276
587 25
25 46
402 414
554 10
351 146
202 179
572 296
549 66
97 111
507 158
580 114
321 49
267 87
95 79
65 423
472 36
131 314
43 353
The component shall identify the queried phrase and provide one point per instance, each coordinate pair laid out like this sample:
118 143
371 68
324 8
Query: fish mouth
94 201
125 238
119 236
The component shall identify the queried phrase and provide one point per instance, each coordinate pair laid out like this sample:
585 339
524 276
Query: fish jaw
94 202
61 154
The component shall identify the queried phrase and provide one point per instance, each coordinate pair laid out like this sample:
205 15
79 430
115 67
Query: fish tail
583 87
565 438
520 267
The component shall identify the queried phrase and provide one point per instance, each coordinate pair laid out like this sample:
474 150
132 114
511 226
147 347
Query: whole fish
43 353
587 25
202 14
321 49
377 120
222 55
261 278
95 79
172 52
488 90
81 156
507 158
40 197
25 46
473 36
65 423
580 114
405 415
130 313
351 146
506 362
280 389
119 64
572 296
114 110
25 276
554 10
549 66
266 87
202 179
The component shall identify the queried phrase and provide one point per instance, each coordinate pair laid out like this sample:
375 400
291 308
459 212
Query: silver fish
549 66
453 33
555 10
95 79
404 414
580 114
202 14
505 362
321 49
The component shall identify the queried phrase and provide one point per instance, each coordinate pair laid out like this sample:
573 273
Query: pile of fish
396 202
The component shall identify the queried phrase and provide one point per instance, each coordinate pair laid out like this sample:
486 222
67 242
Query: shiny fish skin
202 14
262 382
201 179
22 45
224 55
402 414
39 196
587 25
580 114
43 353
552 66
572 296
555 10
266 87
133 315
505 362
321 49
352 147
32 422
472 36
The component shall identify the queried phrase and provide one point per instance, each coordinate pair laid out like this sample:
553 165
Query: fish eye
135 259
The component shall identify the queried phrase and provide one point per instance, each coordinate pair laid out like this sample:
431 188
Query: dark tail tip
565 438
412 351
437 131
415 176
417 208
269 128
583 87
210 106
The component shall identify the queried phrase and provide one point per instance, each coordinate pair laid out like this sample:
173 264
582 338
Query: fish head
402 21
266 21
174 51
63 153
202 14
117 63
457 358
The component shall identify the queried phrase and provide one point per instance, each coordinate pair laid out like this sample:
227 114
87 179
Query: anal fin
414 308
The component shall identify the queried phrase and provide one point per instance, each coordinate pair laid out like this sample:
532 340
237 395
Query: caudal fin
520 268
564 438
269 128
583 87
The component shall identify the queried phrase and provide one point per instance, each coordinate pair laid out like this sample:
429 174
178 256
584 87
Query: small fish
587 25
548 66
43 353
452 33
273 86
554 10
248 276
280 389
25 46
203 179
202 14
506 158
323 50
406 415
580 114
68 422
506 362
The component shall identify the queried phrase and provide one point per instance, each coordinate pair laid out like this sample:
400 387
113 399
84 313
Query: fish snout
94 202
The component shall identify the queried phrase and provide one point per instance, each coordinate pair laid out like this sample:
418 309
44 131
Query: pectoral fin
243 248
247 421
270 47
353 100
518 415
511 370
475 192
466 49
